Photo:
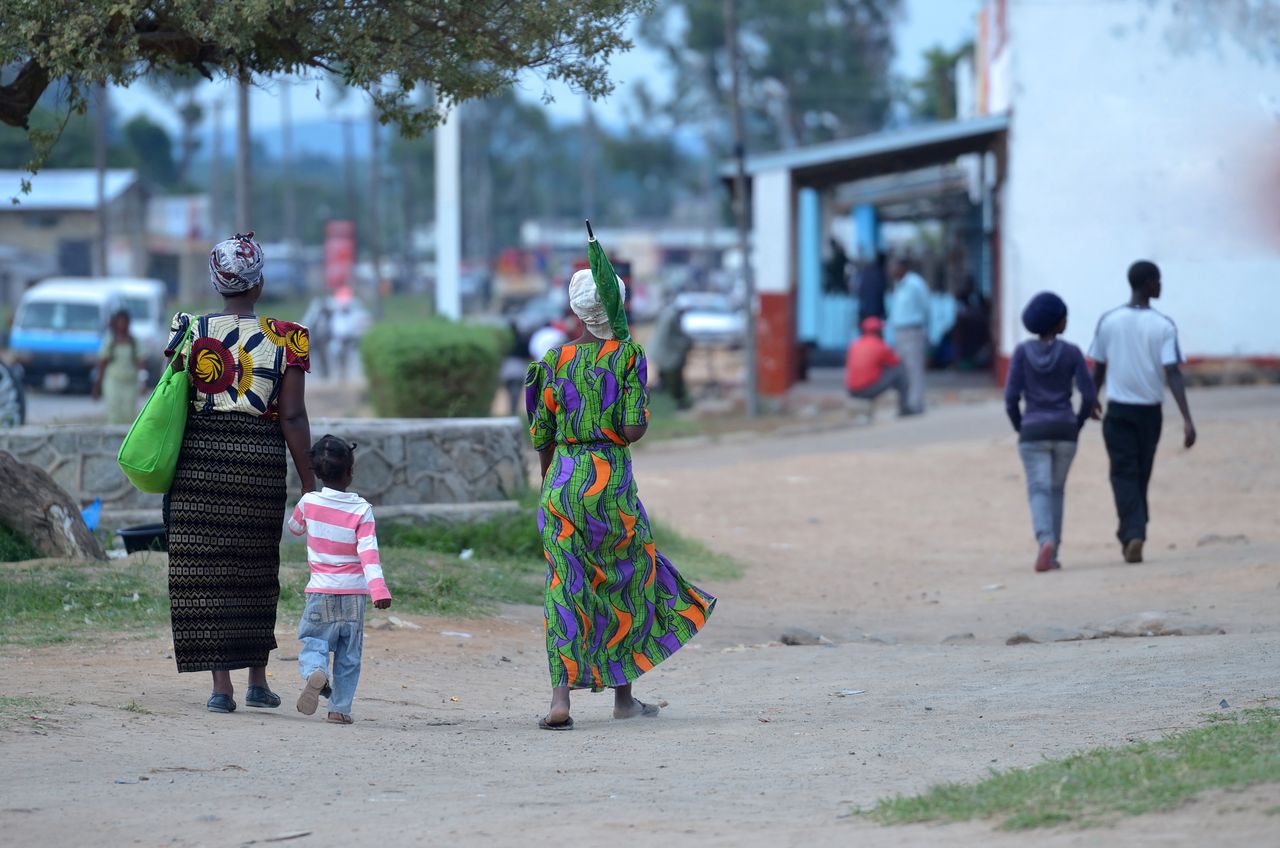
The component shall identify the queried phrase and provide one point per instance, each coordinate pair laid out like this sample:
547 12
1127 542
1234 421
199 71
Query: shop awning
894 151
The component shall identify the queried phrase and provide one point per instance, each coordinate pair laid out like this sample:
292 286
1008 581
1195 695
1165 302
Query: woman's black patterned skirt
224 515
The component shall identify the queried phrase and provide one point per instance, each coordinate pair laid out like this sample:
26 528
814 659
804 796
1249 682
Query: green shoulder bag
149 454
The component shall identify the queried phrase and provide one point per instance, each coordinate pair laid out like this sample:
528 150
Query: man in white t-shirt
1135 353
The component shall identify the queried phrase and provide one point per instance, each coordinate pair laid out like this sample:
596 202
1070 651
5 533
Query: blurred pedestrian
1037 398
835 270
349 321
116 382
909 318
319 320
669 349
1135 352
972 335
942 321
872 284
514 367
553 334
872 368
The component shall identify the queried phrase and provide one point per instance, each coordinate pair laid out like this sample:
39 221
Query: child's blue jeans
333 624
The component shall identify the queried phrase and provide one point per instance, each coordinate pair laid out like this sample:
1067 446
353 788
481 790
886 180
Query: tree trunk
43 513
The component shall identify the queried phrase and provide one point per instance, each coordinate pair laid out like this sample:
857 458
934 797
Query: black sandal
221 703
567 724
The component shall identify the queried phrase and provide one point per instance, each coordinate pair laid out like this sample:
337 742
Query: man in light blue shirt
909 310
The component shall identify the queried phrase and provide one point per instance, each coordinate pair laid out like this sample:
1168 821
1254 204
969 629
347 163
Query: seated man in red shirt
872 368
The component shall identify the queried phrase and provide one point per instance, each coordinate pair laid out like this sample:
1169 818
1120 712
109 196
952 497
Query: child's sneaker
317 684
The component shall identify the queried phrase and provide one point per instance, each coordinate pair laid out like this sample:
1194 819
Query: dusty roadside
886 539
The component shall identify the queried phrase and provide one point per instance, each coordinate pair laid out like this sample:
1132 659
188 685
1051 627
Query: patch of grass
62 602
135 707
1093 787
427 576
513 536
431 583
19 710
507 534
14 547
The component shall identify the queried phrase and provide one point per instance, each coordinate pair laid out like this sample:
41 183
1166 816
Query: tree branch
19 97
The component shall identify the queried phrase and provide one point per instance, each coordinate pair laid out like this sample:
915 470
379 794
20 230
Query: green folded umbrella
606 280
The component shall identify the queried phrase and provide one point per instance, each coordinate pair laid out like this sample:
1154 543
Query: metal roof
62 189
893 151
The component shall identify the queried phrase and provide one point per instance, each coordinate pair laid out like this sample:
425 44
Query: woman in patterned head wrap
226 506
615 606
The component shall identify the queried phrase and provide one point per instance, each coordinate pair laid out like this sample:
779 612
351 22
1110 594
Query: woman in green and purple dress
615 606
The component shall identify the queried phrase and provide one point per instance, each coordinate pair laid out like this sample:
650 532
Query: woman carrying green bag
225 508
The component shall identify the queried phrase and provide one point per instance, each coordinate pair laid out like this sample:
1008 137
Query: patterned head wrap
584 300
235 265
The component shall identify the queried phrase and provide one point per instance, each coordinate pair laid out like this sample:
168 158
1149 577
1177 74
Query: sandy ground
905 532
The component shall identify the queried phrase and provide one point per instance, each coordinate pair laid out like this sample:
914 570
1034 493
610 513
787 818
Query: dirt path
899 531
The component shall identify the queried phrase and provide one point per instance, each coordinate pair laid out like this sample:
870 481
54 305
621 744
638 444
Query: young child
342 549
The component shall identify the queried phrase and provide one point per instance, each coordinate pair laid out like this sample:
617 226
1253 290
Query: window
45 315
139 308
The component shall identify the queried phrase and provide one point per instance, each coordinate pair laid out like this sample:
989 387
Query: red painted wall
776 343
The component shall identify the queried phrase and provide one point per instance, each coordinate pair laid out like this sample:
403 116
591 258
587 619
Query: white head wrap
584 300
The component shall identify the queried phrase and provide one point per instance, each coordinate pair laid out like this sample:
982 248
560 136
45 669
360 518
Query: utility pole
286 169
349 179
588 163
448 215
215 173
100 166
740 202
375 232
244 201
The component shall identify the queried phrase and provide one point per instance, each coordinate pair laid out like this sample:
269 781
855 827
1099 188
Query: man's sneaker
1045 560
1133 551
317 682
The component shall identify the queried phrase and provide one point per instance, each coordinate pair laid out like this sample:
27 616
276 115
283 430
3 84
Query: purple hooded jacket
1043 373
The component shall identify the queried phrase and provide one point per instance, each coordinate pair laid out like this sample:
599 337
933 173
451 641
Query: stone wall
399 462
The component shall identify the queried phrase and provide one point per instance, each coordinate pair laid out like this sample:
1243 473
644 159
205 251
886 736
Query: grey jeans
891 378
1047 465
910 343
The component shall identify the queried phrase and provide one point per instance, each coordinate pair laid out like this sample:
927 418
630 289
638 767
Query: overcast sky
926 23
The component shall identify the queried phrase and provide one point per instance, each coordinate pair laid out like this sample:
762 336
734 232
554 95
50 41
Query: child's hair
332 459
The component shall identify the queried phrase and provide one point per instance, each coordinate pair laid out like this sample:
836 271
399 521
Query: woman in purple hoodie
1042 372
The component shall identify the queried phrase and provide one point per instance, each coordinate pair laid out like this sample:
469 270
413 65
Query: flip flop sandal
261 696
341 719
567 724
317 682
219 703
646 711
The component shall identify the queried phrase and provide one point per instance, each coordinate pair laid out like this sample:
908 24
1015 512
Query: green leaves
390 49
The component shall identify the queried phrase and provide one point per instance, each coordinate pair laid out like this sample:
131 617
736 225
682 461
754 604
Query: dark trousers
892 378
673 384
1131 433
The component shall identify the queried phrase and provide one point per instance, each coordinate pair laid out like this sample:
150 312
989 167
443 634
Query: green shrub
14 547
432 369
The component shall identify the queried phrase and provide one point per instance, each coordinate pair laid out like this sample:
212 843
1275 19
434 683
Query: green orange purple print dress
615 606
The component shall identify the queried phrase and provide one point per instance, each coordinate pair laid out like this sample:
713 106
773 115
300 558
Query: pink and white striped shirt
342 544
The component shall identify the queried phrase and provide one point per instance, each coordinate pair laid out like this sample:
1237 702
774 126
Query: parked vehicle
148 321
711 318
58 331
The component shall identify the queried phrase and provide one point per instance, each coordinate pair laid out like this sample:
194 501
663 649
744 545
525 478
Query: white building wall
1126 145
773 223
